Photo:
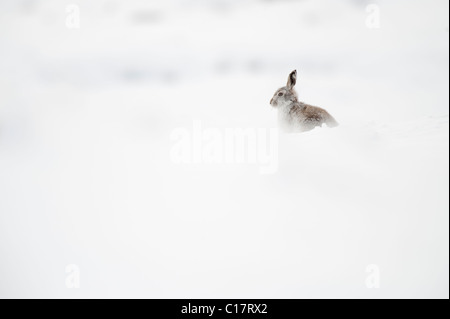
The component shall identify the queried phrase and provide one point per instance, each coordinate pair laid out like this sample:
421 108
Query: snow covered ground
87 176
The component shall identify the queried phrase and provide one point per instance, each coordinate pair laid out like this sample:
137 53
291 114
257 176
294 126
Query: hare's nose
271 100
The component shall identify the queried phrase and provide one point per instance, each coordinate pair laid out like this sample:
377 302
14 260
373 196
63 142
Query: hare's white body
284 116
295 116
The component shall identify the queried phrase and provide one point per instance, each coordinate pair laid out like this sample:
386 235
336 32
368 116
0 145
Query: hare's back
314 112
308 112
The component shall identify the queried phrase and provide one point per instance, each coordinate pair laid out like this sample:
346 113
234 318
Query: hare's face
286 95
282 97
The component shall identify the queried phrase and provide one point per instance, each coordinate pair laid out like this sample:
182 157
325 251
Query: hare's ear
292 79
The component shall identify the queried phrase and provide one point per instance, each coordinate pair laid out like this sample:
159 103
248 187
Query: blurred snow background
86 178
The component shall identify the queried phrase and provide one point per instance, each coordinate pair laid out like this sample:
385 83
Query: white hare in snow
295 116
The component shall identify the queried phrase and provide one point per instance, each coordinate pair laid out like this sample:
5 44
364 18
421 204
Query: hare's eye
280 94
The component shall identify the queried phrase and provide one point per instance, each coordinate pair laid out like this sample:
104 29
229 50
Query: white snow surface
86 177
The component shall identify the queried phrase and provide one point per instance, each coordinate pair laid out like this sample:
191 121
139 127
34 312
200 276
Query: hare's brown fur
310 116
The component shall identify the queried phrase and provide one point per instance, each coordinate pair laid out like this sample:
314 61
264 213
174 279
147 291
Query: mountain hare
295 116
